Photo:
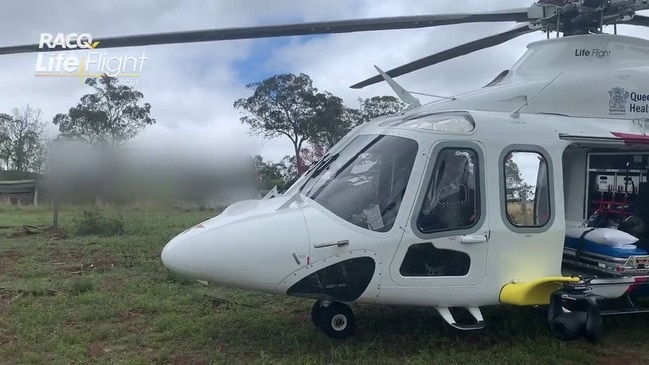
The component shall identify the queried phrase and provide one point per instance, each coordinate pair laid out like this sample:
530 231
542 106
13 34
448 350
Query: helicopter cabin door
445 242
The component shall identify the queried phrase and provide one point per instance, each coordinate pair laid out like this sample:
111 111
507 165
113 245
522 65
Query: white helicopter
531 191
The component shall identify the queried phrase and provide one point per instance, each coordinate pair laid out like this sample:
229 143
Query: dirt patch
621 354
56 233
112 284
130 315
95 350
6 295
59 256
9 296
103 263
8 260
13 255
4 339
6 336
26 230
100 264
130 321
8 231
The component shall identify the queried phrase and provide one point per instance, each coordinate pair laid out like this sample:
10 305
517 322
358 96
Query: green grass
98 299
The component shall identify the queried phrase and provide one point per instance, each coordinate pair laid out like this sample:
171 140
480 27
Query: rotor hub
576 17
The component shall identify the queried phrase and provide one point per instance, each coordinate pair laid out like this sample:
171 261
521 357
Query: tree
313 154
378 106
5 142
26 131
105 119
289 105
288 169
269 174
333 121
108 117
514 179
22 146
512 173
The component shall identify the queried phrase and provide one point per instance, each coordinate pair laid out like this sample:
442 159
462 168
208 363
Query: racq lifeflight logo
93 62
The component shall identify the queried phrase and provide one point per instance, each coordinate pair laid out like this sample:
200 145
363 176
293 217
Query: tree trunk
298 159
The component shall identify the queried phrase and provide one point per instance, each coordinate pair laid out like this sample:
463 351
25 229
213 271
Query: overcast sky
192 87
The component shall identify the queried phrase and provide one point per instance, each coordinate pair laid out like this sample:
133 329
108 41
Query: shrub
81 285
100 224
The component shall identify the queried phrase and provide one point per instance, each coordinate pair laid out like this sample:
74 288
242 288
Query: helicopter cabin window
452 199
365 182
527 189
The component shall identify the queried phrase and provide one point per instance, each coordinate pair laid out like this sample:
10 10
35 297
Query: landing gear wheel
337 320
316 311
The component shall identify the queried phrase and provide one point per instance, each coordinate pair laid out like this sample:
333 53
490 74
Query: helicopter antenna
404 95
433 96
272 193
516 112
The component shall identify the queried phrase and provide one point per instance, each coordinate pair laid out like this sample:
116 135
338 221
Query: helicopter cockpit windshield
365 182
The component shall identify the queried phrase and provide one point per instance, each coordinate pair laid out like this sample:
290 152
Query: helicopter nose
175 255
254 252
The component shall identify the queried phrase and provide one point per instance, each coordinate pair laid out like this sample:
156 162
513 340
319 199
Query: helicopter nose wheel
315 313
335 320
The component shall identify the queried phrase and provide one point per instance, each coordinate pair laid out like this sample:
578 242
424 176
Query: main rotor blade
640 20
329 27
449 54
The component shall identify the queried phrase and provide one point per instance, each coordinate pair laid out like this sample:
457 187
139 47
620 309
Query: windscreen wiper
317 164
318 168
324 163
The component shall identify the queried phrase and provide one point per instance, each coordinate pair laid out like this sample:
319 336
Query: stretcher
611 260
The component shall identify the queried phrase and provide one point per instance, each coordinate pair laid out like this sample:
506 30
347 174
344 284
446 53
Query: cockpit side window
452 200
365 182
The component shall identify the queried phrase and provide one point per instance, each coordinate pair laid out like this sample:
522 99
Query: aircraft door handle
332 244
474 239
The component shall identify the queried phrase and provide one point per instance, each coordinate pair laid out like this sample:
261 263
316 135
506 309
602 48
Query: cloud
192 87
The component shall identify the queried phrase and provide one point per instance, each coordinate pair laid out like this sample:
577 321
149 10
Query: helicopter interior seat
452 202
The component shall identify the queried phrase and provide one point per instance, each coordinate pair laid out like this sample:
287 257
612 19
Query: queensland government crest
617 103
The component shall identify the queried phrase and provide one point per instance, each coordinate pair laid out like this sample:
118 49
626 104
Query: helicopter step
450 319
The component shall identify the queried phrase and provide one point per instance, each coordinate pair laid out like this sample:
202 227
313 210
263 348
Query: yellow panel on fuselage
533 293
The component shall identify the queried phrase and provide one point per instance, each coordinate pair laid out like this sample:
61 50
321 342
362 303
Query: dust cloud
79 173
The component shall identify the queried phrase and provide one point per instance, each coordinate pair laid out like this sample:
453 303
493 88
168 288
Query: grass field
91 299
